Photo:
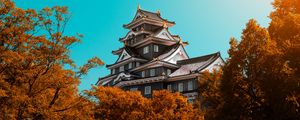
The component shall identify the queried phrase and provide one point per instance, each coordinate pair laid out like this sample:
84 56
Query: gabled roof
155 63
153 15
164 34
102 81
175 54
123 56
152 39
131 59
130 50
116 78
147 15
121 76
140 81
199 59
131 56
195 64
168 51
132 33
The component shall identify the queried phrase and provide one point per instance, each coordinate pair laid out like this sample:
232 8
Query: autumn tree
209 98
38 79
284 30
113 103
173 106
246 72
261 77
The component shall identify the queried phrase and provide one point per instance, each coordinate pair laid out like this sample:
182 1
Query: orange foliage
34 53
38 80
261 79
210 98
114 103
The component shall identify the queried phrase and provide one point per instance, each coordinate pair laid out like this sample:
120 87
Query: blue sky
206 24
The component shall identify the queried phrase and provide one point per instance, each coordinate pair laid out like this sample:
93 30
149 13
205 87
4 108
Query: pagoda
154 59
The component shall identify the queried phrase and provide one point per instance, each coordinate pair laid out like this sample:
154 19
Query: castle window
152 72
113 71
147 90
146 50
143 73
168 71
180 87
191 99
121 68
129 65
169 87
190 85
155 48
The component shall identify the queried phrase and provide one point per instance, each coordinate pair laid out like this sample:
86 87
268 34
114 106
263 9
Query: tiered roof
143 16
173 57
195 65
186 69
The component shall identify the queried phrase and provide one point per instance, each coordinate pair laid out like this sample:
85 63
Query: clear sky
206 24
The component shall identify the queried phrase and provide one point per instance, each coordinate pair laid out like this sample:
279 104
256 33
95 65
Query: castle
153 59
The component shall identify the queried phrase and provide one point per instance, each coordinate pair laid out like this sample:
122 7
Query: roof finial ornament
183 43
158 12
165 24
139 7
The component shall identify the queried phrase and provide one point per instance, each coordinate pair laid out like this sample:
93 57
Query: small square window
180 87
121 68
152 72
168 72
113 71
143 73
169 87
129 65
191 99
147 90
146 50
137 64
155 48
190 85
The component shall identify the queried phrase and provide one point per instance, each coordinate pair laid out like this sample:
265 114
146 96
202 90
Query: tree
173 106
284 30
261 77
246 73
114 103
38 80
210 98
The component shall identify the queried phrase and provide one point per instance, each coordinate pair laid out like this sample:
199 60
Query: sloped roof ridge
132 52
153 14
161 29
169 51
198 59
